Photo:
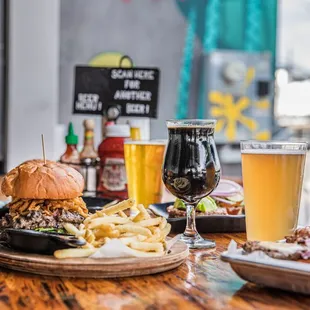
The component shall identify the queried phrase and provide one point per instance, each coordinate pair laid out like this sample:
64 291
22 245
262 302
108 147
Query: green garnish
179 204
206 204
51 230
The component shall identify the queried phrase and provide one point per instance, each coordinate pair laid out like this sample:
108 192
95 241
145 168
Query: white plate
287 275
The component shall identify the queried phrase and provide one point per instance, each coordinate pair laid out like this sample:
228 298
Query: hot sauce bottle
71 155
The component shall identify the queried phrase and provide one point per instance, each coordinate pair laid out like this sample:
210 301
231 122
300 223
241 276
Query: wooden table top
203 282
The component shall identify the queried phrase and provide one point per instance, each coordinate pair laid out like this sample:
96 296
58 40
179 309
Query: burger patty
37 219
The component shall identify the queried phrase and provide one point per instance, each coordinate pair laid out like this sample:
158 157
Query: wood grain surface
202 282
92 268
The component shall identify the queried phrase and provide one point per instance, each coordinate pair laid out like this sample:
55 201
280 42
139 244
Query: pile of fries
142 233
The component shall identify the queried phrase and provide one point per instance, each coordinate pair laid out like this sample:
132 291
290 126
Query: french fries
134 229
163 223
71 253
122 214
147 246
143 212
70 228
106 220
119 207
143 234
150 222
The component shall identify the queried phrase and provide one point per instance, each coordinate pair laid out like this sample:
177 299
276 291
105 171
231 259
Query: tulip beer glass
191 169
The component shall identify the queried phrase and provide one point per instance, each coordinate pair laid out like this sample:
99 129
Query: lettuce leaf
51 230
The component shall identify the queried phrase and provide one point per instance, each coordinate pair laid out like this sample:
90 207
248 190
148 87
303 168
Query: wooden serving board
92 268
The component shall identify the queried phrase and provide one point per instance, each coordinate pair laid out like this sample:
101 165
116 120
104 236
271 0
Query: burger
45 196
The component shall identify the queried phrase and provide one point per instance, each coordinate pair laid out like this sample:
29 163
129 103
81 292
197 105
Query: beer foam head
191 123
279 148
146 142
274 152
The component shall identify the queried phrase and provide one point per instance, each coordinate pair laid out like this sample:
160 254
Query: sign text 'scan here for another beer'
133 90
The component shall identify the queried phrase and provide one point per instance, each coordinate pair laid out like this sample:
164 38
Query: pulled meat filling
35 213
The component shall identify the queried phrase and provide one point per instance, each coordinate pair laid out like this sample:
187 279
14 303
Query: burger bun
36 179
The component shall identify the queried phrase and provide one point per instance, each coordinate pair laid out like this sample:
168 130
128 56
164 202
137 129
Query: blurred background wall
46 39
150 32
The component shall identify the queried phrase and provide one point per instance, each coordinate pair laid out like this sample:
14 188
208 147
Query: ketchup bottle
112 175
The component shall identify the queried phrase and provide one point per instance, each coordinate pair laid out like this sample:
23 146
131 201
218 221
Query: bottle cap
112 113
89 124
118 131
109 123
71 138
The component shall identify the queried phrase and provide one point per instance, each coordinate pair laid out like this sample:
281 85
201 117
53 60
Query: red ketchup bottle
112 175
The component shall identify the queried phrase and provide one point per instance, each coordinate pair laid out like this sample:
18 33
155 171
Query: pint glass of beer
143 160
272 180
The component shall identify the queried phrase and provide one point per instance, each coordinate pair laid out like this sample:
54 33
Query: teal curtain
225 24
233 26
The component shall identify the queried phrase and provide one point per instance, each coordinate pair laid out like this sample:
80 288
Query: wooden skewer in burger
45 196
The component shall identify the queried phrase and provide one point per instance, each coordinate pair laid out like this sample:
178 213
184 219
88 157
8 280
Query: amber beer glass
272 180
144 161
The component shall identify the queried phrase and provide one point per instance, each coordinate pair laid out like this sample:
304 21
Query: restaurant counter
202 282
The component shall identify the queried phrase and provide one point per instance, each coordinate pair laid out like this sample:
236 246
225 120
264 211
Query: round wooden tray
92 268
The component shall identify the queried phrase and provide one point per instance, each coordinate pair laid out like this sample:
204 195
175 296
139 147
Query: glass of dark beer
191 169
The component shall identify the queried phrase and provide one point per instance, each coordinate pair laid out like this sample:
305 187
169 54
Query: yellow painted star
229 113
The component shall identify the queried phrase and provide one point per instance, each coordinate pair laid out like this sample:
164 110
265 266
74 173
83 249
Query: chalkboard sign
133 90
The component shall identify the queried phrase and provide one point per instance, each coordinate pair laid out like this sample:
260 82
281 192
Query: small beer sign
133 90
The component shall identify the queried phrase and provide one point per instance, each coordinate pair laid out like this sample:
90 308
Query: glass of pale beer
144 160
272 180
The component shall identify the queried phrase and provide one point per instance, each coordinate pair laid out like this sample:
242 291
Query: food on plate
226 199
206 206
229 195
300 236
144 235
45 196
297 246
289 251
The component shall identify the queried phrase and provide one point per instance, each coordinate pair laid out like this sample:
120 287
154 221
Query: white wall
293 33
32 78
